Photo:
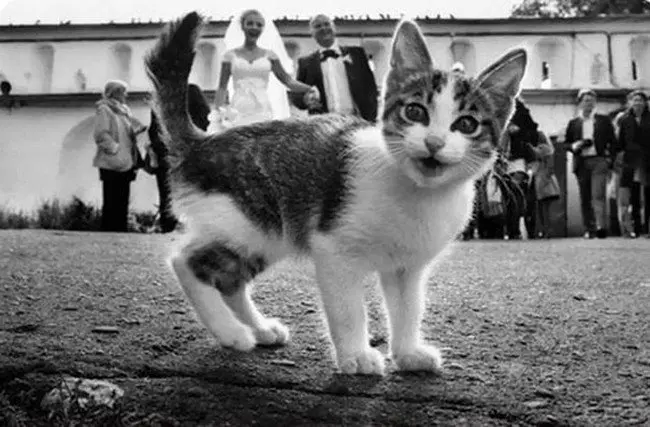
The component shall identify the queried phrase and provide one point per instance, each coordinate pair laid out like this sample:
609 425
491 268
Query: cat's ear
501 81
409 50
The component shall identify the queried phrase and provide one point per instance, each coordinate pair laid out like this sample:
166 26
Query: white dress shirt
588 133
337 87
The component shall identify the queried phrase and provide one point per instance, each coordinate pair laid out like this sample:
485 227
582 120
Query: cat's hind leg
208 272
341 287
266 331
405 298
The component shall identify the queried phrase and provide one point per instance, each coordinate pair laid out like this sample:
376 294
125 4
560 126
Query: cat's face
439 127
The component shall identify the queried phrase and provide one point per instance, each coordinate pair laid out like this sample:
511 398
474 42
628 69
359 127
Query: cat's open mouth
430 166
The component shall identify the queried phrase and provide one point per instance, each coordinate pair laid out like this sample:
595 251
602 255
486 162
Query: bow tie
328 53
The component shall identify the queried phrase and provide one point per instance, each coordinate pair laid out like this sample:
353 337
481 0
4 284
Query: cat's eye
467 125
416 113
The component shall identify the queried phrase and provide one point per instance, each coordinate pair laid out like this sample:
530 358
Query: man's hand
312 99
580 144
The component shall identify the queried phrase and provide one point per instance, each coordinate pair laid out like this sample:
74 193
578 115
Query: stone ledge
568 96
72 99
537 96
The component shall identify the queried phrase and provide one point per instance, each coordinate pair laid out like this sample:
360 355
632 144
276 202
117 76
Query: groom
341 74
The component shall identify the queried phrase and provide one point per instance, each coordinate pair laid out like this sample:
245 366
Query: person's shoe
588 235
601 233
168 225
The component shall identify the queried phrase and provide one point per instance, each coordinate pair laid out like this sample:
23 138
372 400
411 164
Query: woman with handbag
521 132
117 157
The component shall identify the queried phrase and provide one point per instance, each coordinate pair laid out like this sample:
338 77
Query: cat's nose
434 143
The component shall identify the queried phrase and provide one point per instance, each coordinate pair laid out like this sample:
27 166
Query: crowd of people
517 195
519 192
611 161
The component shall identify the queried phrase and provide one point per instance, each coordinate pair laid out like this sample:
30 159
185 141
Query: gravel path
534 332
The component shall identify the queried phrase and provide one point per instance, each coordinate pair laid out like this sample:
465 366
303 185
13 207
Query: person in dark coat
342 75
199 109
521 134
634 143
591 138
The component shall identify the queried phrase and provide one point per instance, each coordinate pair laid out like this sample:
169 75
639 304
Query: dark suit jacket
360 78
604 138
634 140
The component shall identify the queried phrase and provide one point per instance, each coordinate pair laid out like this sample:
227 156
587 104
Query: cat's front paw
240 338
366 362
273 332
421 358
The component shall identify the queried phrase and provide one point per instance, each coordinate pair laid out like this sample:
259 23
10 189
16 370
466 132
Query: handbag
493 201
549 187
149 157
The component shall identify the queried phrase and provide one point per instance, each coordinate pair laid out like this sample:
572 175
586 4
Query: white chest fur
392 223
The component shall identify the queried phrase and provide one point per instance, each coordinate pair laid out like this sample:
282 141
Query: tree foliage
579 8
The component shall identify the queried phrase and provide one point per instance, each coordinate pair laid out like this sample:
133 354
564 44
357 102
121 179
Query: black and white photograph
339 214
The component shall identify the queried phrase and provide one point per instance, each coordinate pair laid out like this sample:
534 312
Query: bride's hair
248 12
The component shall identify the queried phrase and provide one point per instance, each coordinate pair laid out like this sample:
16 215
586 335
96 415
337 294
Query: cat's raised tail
168 65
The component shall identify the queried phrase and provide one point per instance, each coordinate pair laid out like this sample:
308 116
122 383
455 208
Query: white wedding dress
255 93
250 95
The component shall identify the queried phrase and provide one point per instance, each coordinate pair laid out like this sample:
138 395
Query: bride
255 94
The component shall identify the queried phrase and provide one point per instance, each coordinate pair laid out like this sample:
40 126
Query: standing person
117 156
342 75
634 142
590 137
199 109
254 69
622 194
545 187
620 207
492 203
520 134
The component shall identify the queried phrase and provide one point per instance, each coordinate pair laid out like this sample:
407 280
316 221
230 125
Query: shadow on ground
534 332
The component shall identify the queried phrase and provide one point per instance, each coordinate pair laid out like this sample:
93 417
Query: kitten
359 199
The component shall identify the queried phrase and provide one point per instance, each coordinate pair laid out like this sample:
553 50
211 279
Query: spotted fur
361 200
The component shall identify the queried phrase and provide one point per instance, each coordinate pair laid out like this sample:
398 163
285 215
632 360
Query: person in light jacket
117 156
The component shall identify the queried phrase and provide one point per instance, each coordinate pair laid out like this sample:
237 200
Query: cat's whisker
473 164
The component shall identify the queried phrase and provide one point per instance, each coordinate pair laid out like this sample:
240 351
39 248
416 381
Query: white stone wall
574 61
48 152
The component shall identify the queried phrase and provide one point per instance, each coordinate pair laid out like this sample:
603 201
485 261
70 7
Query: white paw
421 358
273 332
365 362
239 337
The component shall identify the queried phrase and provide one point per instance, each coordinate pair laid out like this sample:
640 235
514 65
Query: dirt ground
544 333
